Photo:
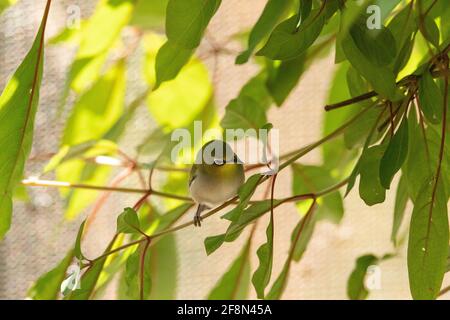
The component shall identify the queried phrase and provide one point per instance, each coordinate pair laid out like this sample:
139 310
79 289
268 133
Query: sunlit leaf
93 116
18 106
5 4
430 30
99 34
178 102
149 14
186 21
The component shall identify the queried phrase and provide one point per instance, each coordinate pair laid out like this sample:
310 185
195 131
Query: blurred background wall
40 237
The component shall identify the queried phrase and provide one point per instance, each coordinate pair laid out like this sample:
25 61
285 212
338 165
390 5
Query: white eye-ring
219 162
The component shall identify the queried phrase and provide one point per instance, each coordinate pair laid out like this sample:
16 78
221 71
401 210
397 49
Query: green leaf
213 243
261 277
47 286
357 133
163 268
186 21
250 214
176 103
401 199
77 249
248 110
128 221
428 241
167 219
430 98
336 155
356 289
272 12
234 284
423 156
301 244
370 188
402 27
285 77
430 30
298 243
244 113
5 4
312 179
170 59
377 45
88 149
287 42
94 114
395 154
99 34
245 193
280 283
149 14
382 79
18 106
89 279
132 273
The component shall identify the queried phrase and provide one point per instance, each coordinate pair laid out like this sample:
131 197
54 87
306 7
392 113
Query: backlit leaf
18 106
94 114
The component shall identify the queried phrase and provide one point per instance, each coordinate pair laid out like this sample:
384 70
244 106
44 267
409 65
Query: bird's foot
198 221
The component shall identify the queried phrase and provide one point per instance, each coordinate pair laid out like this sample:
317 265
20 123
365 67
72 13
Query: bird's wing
193 174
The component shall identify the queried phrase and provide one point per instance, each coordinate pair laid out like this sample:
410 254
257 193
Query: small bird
215 176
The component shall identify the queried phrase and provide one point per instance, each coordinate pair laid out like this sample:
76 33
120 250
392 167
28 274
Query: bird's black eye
219 162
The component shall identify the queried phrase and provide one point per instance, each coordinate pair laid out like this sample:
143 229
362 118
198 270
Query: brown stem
65 184
217 209
142 269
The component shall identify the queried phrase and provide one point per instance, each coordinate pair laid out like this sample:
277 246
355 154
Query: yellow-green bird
215 176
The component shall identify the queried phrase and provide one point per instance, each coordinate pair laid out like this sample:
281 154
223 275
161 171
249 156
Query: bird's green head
216 158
